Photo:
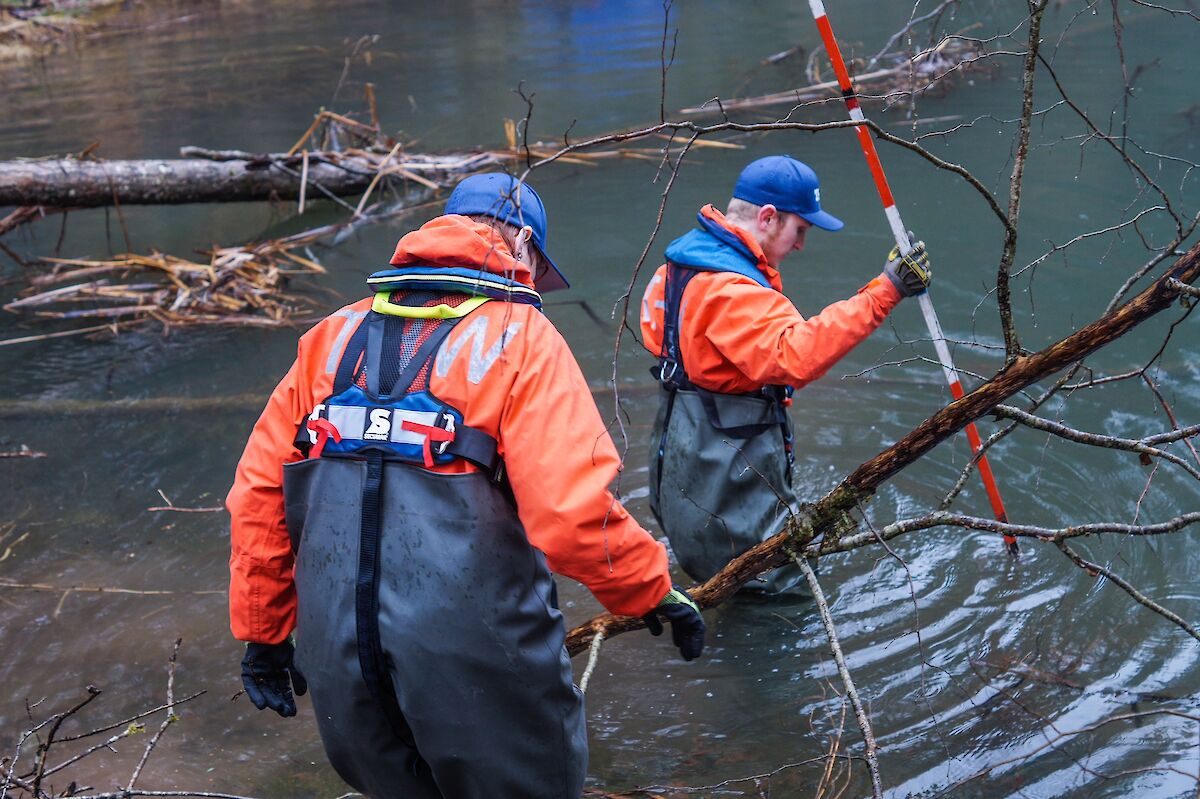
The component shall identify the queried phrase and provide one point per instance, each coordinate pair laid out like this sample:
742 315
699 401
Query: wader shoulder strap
670 363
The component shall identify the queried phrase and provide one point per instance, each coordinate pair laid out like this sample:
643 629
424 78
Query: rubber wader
428 629
720 464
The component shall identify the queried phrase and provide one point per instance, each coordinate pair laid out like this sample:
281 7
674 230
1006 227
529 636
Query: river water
926 631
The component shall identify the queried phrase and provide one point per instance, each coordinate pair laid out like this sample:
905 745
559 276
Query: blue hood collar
712 248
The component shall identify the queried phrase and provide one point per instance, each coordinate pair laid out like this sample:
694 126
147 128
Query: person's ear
523 237
766 216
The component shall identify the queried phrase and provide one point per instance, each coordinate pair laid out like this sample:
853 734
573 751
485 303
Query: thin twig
170 719
1096 570
864 723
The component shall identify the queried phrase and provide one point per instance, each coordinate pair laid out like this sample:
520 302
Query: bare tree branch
835 647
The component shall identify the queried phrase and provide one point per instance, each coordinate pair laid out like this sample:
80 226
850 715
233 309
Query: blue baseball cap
787 184
504 198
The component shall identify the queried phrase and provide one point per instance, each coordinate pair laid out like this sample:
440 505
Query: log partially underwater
219 177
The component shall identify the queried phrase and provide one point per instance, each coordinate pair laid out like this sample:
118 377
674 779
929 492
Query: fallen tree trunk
830 517
218 177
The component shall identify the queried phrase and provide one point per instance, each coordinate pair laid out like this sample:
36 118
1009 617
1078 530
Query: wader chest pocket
739 415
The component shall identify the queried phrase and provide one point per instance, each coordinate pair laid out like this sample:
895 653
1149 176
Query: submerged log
220 177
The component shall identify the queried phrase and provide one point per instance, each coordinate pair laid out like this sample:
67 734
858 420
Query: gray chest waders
720 464
427 625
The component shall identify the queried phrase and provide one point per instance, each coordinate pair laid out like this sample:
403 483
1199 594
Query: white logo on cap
817 194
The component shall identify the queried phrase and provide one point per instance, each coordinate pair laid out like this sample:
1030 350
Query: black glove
910 274
269 675
687 626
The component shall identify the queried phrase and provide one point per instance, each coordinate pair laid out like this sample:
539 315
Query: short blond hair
506 231
741 211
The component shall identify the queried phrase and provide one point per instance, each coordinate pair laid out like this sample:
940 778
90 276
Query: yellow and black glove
687 625
910 274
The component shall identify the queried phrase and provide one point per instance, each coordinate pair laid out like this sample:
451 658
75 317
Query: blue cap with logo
504 198
787 184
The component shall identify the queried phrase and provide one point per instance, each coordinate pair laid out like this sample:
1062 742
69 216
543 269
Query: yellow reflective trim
382 305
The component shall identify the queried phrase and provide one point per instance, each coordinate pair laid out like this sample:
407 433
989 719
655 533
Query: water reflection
967 659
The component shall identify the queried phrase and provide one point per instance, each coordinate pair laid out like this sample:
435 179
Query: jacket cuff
884 290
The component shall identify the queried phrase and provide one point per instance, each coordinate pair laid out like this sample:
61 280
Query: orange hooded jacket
513 377
736 336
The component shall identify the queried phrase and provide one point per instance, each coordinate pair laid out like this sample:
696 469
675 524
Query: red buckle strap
431 433
324 430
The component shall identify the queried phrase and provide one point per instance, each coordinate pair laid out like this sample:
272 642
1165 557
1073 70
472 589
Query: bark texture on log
93 183
829 516
89 184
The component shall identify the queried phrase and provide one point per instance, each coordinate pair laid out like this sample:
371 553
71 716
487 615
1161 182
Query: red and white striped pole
901 235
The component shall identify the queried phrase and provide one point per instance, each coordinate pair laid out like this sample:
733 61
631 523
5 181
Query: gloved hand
910 274
269 675
687 626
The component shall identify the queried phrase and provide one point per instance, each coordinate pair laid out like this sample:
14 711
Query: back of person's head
499 197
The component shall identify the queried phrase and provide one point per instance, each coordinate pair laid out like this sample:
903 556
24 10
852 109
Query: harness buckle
449 428
442 435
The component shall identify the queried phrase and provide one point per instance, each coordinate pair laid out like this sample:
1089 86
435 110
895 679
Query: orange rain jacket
514 379
736 336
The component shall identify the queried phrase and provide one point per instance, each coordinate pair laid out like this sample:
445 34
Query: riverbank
33 28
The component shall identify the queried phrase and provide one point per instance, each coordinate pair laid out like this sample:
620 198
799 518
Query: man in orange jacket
731 350
431 455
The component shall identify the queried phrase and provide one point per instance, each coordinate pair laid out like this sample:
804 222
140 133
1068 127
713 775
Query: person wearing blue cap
731 349
433 454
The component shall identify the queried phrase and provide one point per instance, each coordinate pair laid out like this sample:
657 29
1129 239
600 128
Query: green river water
923 640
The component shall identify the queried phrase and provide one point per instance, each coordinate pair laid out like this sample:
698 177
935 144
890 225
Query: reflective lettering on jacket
480 361
651 319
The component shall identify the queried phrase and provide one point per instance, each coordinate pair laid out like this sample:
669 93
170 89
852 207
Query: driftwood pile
243 286
337 157
932 71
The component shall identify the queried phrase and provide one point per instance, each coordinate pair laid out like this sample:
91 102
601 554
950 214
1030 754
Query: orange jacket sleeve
262 596
560 462
761 333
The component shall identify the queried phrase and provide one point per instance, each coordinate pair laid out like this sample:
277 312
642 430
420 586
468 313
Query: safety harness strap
388 371
385 335
349 363
479 448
